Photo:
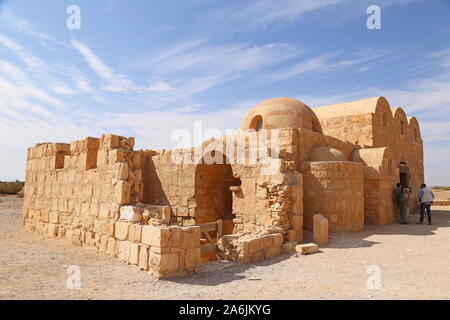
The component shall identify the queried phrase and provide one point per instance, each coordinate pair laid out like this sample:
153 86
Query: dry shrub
11 187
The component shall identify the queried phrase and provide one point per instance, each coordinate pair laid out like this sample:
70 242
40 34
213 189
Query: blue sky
145 68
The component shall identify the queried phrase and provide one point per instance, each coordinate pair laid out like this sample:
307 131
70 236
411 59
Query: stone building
241 197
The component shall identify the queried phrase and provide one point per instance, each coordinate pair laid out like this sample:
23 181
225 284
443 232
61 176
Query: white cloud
23 25
188 108
62 89
260 14
114 82
28 58
197 67
323 63
253 14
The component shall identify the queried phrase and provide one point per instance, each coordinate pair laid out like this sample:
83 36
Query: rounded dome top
326 154
281 113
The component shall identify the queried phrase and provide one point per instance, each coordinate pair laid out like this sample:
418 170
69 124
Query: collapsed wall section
84 192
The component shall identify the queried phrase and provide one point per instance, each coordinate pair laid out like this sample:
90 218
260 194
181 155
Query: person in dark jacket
403 204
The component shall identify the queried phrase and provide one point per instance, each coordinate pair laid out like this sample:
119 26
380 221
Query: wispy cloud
323 63
209 65
27 57
114 81
260 14
22 25
250 15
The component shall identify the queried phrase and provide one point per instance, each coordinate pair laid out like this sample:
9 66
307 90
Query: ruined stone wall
79 192
334 189
168 182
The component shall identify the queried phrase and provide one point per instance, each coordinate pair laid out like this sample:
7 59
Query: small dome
326 154
281 113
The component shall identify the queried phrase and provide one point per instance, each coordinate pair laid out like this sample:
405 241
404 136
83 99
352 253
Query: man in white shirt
426 198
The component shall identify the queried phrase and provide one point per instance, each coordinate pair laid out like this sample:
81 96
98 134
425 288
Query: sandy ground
413 261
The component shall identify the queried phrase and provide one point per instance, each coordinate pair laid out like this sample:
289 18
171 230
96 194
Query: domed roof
281 113
326 154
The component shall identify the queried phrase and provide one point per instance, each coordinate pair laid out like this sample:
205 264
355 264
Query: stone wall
167 182
77 192
356 129
372 123
334 189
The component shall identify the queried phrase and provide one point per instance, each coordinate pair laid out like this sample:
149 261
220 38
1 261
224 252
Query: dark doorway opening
214 199
404 174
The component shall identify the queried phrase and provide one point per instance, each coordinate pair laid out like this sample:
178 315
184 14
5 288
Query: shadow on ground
440 219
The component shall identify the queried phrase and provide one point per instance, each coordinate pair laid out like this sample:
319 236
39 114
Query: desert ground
442 194
413 261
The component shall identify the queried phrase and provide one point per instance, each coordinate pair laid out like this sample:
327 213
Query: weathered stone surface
320 230
130 213
307 248
155 236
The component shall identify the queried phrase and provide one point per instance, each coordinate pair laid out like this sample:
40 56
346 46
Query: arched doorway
214 199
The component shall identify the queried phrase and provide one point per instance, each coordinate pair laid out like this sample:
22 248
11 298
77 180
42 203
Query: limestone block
192 258
176 236
307 248
320 230
191 237
135 233
52 230
121 230
266 241
134 254
273 252
294 235
122 171
122 192
123 251
165 262
143 257
54 217
156 236
109 141
117 155
288 247
253 246
296 222
278 239
103 244
131 213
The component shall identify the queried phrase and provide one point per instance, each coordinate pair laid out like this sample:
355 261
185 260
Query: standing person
395 193
396 196
426 197
403 204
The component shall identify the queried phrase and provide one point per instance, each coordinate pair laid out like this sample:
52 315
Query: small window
257 123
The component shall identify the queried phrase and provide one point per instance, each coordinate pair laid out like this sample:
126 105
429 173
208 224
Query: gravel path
413 260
